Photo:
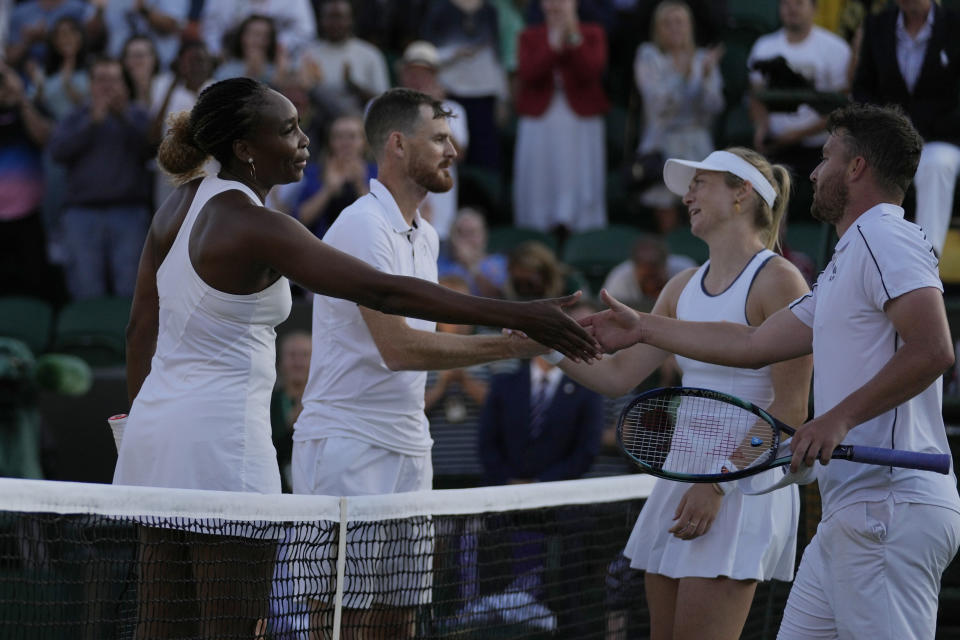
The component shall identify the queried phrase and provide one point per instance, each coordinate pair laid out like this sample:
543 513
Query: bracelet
554 357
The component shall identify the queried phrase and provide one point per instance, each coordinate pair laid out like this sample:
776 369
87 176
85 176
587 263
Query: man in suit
910 56
538 425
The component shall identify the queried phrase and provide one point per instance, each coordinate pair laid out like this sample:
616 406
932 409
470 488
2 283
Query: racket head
693 435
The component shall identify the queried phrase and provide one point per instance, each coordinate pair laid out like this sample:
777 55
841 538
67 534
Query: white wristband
554 357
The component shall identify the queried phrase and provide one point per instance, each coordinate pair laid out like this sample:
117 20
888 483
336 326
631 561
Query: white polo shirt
350 391
879 258
822 58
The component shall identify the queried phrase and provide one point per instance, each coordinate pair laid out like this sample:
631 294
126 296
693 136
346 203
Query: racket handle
939 462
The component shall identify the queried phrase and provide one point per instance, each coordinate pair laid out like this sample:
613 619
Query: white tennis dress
202 417
753 537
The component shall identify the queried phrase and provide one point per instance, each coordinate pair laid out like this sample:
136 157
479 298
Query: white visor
677 174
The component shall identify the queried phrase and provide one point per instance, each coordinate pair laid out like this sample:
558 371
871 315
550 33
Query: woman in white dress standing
704 547
559 171
211 287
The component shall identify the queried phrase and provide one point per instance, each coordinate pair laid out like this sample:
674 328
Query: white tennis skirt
752 538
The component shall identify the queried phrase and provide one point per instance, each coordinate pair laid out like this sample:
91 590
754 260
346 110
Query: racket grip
939 462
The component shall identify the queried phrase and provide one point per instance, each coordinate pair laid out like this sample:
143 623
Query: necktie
539 402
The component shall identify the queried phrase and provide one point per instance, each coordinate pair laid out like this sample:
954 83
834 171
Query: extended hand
548 324
616 328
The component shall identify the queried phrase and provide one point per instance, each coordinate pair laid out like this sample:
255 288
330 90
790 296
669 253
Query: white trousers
872 571
934 182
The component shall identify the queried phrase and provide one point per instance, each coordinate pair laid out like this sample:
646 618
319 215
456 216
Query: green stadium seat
811 238
27 319
595 253
482 188
682 242
503 239
94 330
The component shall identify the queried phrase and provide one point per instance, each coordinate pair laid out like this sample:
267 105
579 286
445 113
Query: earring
736 203
253 169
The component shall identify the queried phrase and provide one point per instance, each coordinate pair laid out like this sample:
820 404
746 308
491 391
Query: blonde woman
681 92
704 547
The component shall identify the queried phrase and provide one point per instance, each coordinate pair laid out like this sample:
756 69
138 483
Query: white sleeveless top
202 417
730 305
752 537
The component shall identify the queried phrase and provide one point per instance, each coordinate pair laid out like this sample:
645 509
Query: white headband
677 174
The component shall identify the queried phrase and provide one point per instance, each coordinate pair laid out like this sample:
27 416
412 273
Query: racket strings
695 435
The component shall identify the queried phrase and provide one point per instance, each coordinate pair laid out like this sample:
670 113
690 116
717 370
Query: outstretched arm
288 247
781 337
404 348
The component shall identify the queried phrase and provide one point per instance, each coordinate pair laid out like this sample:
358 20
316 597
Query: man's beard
431 178
831 203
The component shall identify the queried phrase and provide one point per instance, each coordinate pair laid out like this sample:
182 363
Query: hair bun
179 155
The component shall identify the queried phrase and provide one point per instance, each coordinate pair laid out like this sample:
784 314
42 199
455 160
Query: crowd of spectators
87 87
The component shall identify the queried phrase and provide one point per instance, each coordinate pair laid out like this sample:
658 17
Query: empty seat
94 330
27 319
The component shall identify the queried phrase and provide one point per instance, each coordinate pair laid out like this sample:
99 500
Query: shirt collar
876 211
391 210
538 375
925 31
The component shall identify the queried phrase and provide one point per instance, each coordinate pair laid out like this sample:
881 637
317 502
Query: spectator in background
253 52
682 93
24 129
65 82
293 367
293 19
62 87
29 22
177 91
350 71
337 179
465 33
559 172
538 425
638 281
533 271
466 257
116 21
814 59
910 56
104 147
417 70
141 68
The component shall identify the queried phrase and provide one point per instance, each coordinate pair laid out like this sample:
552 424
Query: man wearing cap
876 325
417 70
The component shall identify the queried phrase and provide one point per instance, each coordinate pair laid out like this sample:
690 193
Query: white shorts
872 571
389 562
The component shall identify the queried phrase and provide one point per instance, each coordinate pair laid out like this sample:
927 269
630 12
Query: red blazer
580 67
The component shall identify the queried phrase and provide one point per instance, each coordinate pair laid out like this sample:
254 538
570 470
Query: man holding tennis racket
876 325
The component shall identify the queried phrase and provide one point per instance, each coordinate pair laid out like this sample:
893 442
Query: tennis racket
699 435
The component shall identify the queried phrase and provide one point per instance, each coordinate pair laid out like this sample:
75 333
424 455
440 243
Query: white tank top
202 417
730 305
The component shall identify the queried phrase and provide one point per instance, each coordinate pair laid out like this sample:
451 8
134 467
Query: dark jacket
565 448
934 105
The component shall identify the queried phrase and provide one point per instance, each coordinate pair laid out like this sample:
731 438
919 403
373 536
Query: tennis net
532 561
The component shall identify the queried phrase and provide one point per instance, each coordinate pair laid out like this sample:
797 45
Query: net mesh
538 561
